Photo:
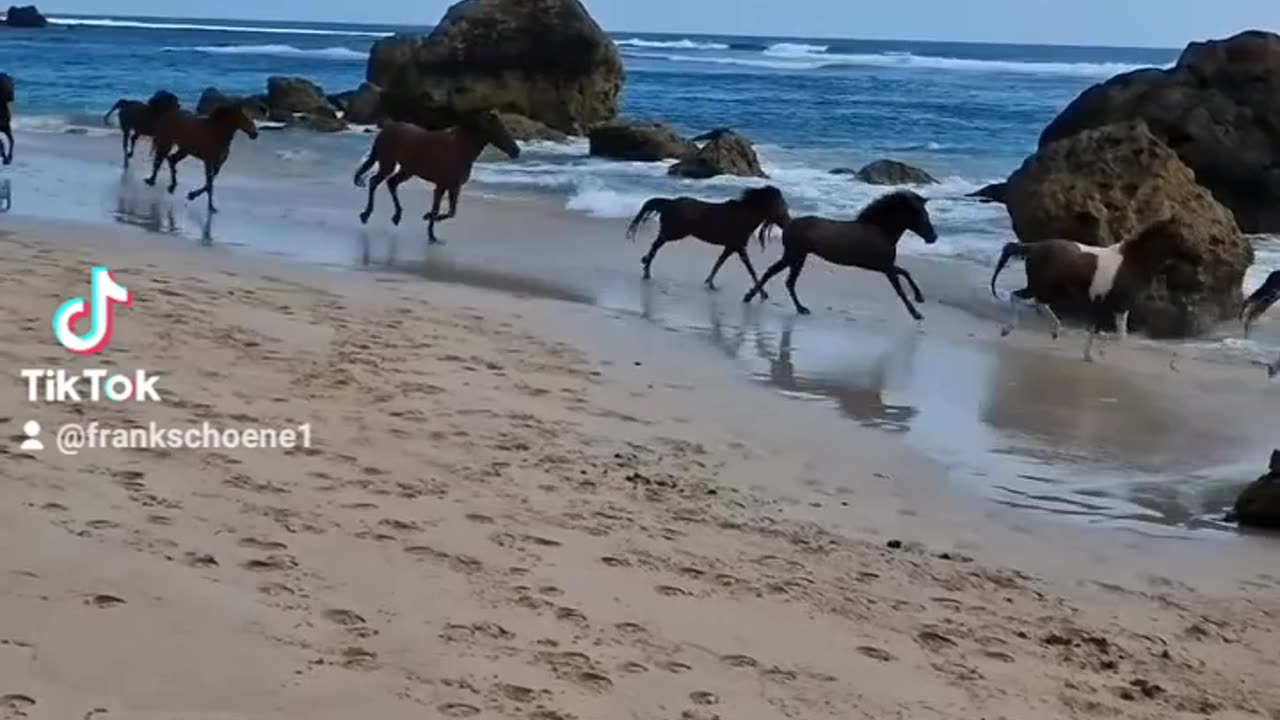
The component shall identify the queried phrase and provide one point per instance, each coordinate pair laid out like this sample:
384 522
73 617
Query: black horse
869 242
139 118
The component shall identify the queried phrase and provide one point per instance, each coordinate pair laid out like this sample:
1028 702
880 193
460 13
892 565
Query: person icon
32 443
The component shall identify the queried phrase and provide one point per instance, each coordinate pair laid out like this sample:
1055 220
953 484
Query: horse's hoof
152 183
395 219
191 196
364 218
764 296
710 286
1004 331
1273 370
804 311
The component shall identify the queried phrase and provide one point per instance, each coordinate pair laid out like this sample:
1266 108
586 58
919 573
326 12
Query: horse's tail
651 207
106 119
1010 251
369 159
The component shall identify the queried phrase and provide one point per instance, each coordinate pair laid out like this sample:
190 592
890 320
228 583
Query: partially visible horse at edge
207 138
6 116
1263 298
139 118
729 224
1111 278
869 242
441 157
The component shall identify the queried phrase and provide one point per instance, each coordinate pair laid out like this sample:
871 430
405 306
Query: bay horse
869 242
139 118
441 157
206 138
6 116
1111 278
728 224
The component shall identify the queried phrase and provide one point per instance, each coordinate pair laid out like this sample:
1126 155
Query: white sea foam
684 44
799 57
145 25
273 50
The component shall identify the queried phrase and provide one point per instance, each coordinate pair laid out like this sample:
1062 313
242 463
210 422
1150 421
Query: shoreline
496 521
1070 453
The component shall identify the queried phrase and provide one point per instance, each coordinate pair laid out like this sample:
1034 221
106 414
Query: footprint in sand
262 545
358 658
346 618
458 710
276 589
572 615
594 681
935 641
704 697
740 661
633 668
672 591
630 628
271 563
15 705
104 601
876 653
615 562
517 693
201 560
479 519
675 667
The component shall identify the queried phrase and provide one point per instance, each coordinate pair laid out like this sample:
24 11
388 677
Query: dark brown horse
441 157
728 224
869 242
139 118
206 138
6 116
1264 297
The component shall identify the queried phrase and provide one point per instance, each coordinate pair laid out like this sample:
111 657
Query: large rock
1217 108
362 106
995 192
523 128
295 95
892 172
212 98
1105 185
27 16
727 153
638 142
1259 505
545 59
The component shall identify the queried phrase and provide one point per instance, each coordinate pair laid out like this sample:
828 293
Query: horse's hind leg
174 159
710 282
374 182
160 150
434 215
797 265
897 286
658 242
742 253
768 275
210 172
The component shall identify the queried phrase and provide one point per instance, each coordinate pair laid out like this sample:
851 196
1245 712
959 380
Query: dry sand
493 523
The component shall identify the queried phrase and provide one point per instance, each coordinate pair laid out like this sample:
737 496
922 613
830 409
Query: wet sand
544 489
1126 442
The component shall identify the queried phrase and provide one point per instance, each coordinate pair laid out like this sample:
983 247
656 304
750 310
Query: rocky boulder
254 106
1259 505
523 128
892 172
545 59
1216 108
1106 185
362 106
295 95
726 153
27 16
638 142
995 192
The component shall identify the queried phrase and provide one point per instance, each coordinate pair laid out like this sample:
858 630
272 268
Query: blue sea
969 113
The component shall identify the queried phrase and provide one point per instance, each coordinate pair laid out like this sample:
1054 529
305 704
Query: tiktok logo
104 294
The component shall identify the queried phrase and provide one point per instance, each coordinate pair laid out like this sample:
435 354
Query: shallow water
1027 425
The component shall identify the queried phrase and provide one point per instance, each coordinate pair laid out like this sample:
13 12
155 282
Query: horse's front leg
897 286
742 253
911 281
160 151
174 159
710 282
393 186
434 215
768 275
210 172
8 153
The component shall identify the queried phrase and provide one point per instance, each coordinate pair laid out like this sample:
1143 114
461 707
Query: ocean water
969 113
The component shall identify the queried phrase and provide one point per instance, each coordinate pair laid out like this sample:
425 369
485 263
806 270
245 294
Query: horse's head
900 211
233 117
488 126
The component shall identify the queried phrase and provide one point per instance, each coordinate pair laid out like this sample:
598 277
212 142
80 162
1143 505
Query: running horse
1263 298
139 118
206 138
728 224
441 157
6 116
869 242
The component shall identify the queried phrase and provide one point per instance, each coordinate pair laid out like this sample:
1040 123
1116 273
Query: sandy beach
548 508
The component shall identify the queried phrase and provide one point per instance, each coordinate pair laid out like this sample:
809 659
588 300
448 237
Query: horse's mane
754 196
890 204
225 112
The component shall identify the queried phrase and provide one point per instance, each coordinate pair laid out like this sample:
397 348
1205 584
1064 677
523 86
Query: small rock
892 172
894 544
